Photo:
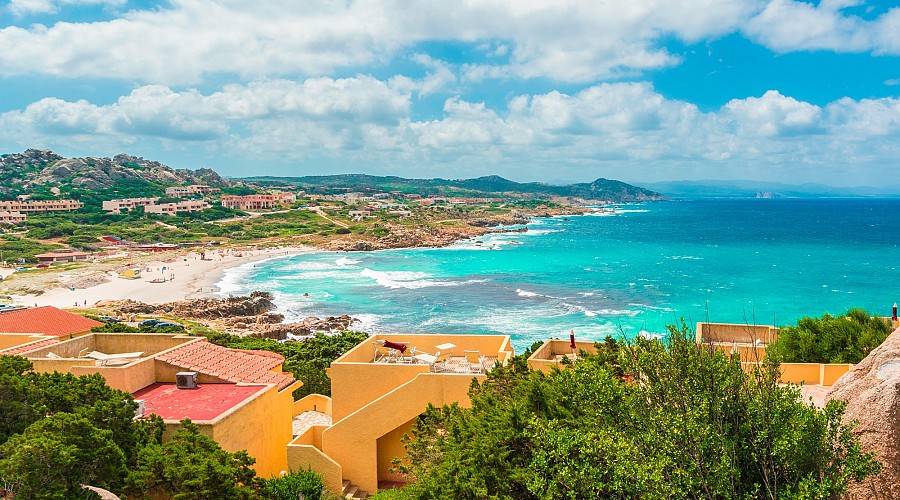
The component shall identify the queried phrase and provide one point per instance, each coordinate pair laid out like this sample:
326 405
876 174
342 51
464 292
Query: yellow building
377 392
239 398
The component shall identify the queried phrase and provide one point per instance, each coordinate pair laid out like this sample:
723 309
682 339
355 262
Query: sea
623 271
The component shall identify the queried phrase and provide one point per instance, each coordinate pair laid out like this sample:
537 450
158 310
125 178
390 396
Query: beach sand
193 277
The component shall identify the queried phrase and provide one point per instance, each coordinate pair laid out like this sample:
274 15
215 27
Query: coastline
195 278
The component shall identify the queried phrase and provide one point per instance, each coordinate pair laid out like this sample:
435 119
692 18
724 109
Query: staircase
351 491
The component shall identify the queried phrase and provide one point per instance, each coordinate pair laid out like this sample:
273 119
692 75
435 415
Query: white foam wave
526 293
404 279
347 261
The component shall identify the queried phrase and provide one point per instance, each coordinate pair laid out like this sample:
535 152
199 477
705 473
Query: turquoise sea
638 269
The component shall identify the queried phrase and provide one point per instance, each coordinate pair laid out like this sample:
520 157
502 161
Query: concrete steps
351 491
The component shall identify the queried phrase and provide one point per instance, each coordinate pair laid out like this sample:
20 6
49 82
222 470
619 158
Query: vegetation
846 338
291 486
307 360
77 428
601 189
13 248
192 466
694 426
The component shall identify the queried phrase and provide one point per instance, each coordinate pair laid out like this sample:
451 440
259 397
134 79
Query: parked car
42 266
150 322
108 319
168 324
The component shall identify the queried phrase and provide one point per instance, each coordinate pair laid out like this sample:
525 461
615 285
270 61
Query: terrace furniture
434 361
382 353
104 358
397 352
475 361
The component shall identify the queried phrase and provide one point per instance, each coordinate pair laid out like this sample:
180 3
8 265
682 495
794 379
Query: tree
846 338
646 419
191 466
290 486
56 455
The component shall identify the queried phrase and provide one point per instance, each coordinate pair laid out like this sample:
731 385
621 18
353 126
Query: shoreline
196 278
188 277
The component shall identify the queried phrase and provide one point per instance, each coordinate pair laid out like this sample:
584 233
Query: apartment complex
7 217
185 191
31 206
257 201
116 206
226 392
173 208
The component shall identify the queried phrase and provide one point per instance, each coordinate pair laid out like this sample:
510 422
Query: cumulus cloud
624 130
576 40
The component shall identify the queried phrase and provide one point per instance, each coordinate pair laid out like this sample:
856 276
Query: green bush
291 486
846 338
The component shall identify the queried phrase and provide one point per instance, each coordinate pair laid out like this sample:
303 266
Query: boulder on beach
872 393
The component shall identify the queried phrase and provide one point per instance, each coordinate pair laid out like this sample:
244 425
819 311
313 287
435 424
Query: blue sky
643 90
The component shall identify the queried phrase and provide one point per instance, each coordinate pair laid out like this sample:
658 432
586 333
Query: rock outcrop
872 393
244 315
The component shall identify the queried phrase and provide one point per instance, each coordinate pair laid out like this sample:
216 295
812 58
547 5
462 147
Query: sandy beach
187 276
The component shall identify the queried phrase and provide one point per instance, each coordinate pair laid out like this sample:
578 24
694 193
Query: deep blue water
755 261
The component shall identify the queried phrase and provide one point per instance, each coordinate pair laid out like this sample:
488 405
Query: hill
601 190
43 173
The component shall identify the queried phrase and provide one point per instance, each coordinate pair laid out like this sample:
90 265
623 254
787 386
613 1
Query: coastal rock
872 393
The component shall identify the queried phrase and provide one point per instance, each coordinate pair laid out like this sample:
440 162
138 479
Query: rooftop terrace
206 402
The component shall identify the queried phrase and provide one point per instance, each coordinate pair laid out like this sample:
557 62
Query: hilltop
43 172
599 191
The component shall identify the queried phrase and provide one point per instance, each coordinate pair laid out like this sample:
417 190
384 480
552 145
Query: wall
735 332
353 441
9 340
808 373
130 378
303 455
544 358
312 402
390 446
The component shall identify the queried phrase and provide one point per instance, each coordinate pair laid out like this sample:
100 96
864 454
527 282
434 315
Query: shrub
846 338
291 486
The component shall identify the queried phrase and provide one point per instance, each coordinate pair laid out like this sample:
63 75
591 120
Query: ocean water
638 269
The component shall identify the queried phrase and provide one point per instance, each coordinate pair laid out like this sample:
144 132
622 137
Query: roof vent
186 380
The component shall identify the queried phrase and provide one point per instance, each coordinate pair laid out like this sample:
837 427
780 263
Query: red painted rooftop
46 320
232 365
28 347
206 402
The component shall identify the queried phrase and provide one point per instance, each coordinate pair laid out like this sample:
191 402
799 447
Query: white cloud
575 40
620 130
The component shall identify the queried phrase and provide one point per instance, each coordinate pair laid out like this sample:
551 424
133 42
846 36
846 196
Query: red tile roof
28 347
46 320
206 402
232 365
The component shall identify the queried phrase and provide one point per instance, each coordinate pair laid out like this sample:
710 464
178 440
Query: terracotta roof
206 402
28 347
47 320
232 365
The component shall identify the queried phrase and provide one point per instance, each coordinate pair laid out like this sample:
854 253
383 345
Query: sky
532 90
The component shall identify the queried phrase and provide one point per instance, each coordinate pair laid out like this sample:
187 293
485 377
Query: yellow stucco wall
832 372
130 378
302 454
353 441
10 340
312 402
735 332
544 358
390 446
262 426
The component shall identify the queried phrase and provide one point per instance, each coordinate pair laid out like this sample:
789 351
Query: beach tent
130 274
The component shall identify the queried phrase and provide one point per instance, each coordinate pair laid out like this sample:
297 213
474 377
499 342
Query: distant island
761 189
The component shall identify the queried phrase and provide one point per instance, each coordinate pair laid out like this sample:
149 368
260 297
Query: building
31 206
241 399
7 217
193 189
173 208
62 255
46 320
116 206
376 398
257 201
